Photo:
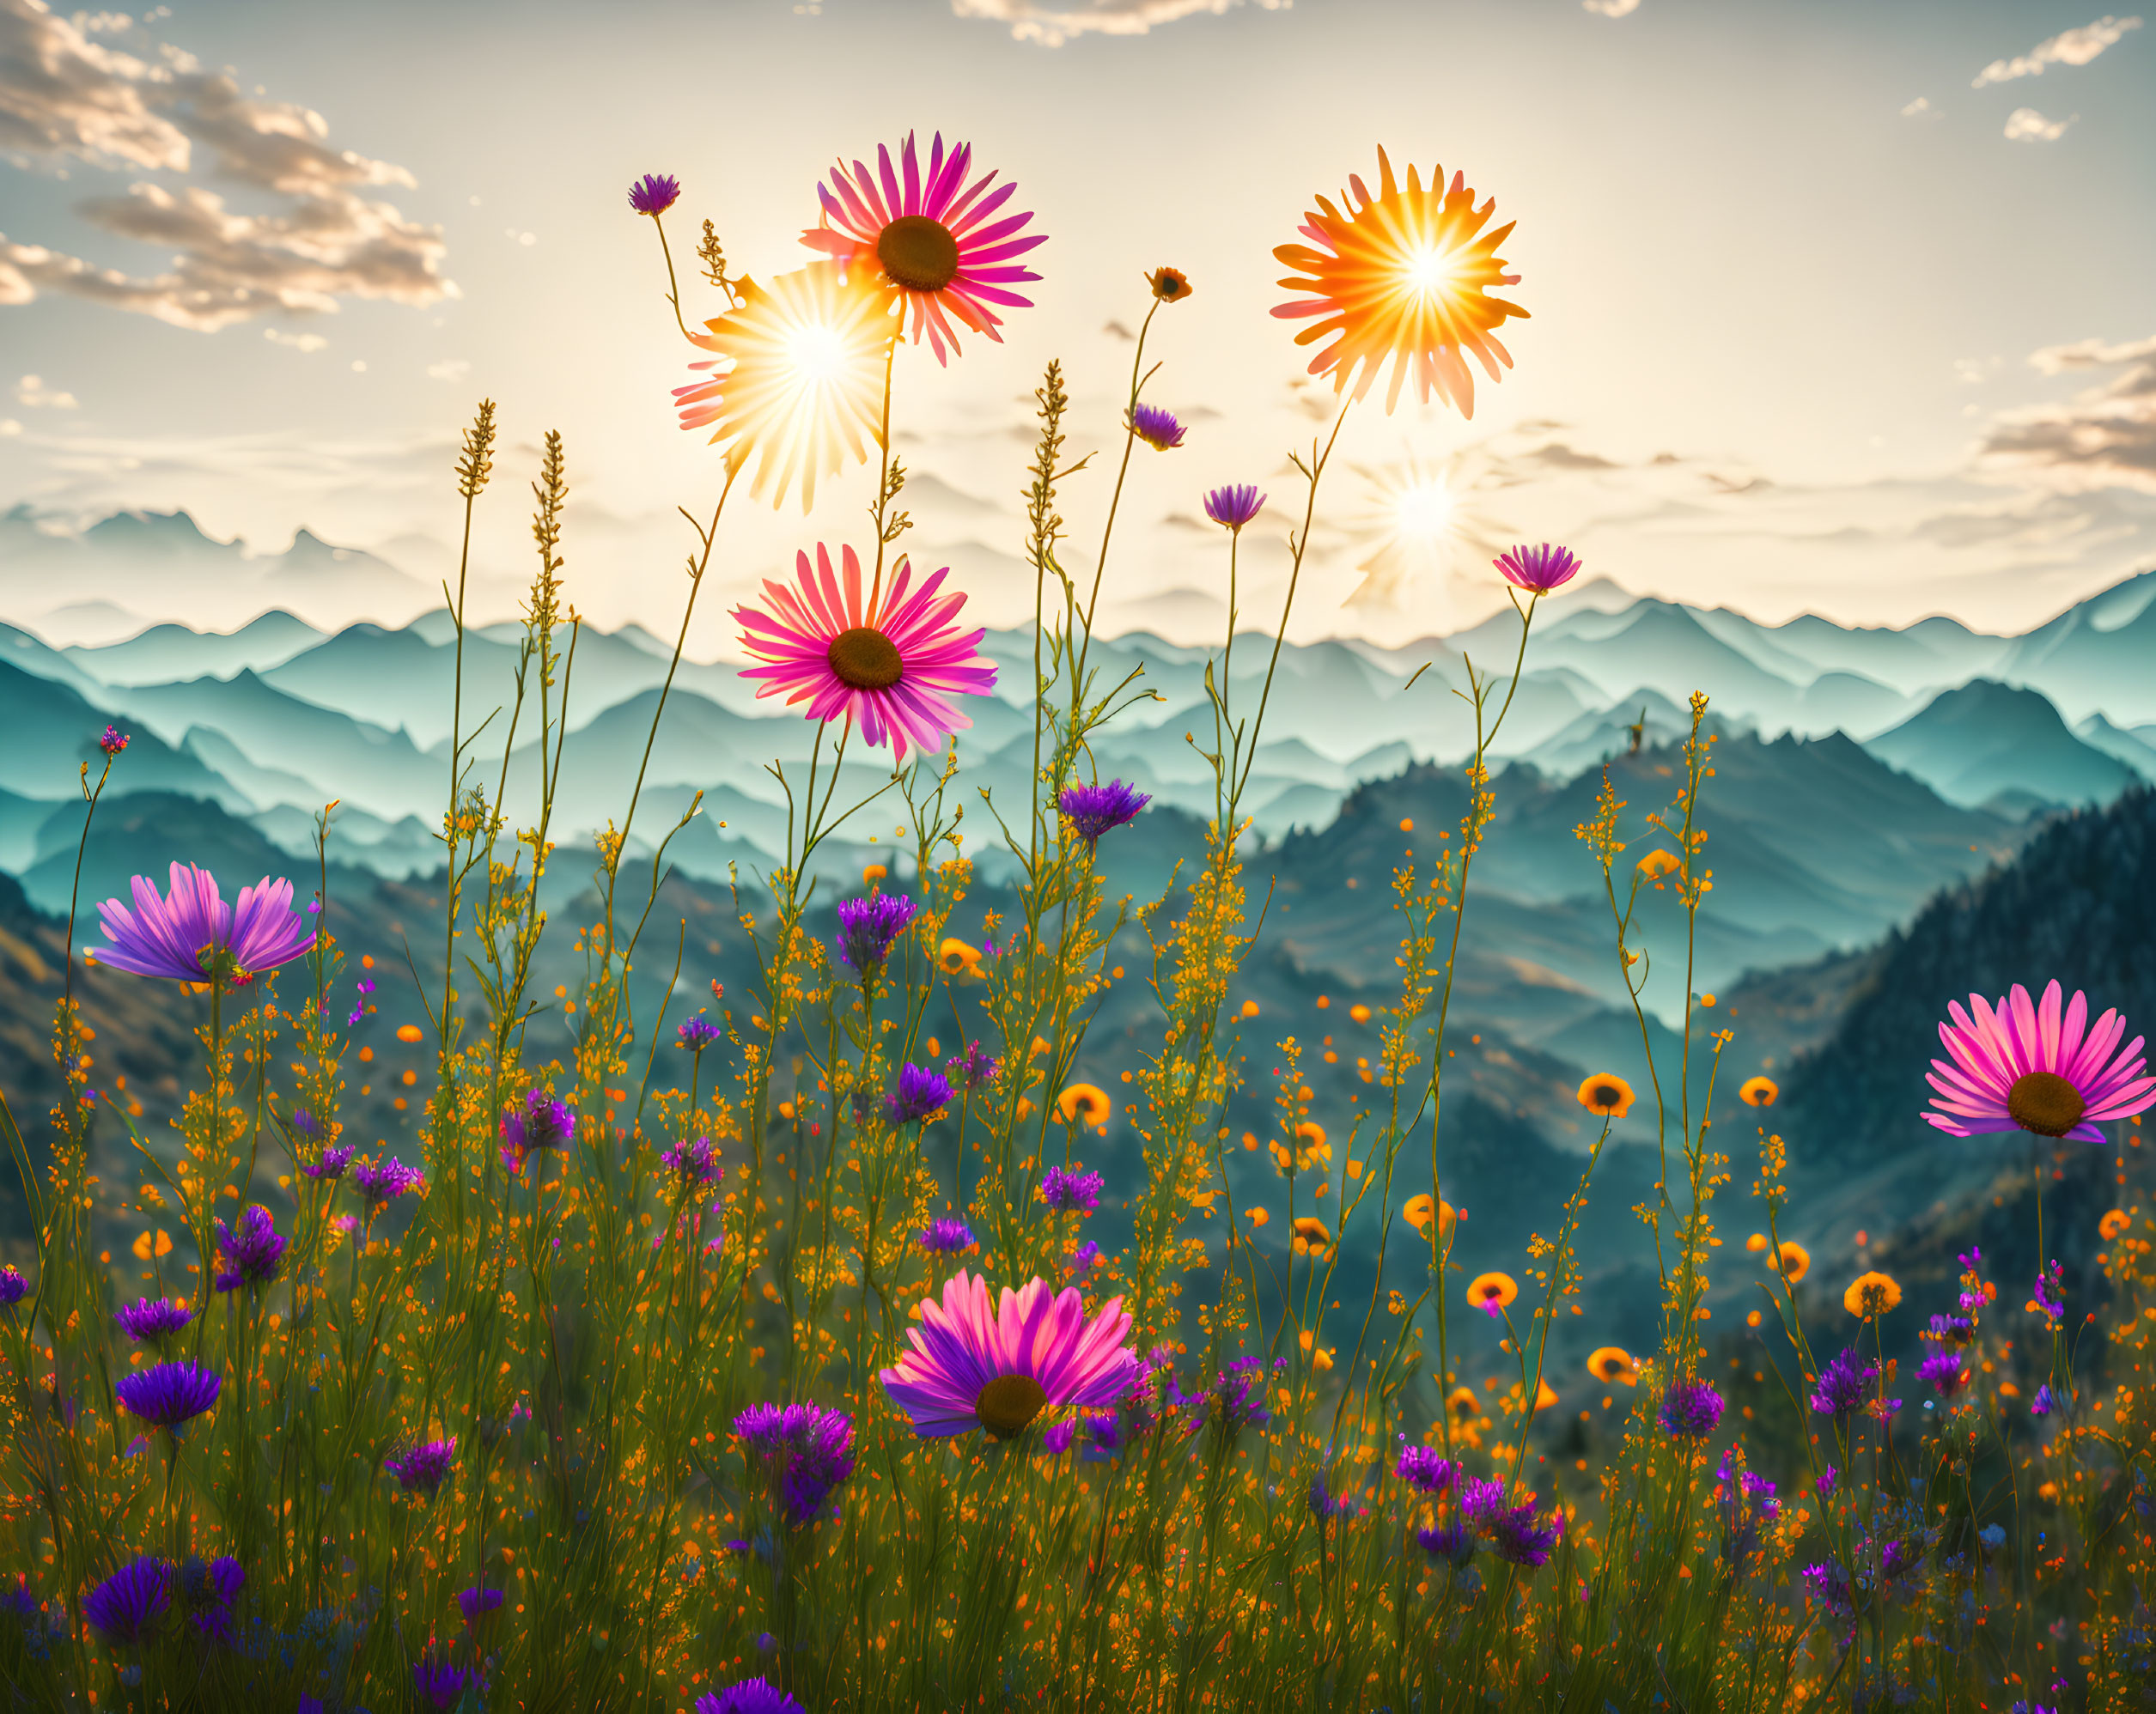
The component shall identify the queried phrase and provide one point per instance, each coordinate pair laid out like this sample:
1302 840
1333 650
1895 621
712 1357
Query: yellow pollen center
865 658
1008 1404
2045 1102
918 254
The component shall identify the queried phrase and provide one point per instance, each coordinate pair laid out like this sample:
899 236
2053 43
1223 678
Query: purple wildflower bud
2045 1402
973 1068
1322 1504
1081 1262
654 193
697 1033
303 1123
544 1123
1827 1479
805 1451
1515 1538
153 1320
13 1286
1157 428
867 928
750 1696
1945 1371
1842 1384
383 1180
696 1163
169 1393
478 1603
1239 1390
1055 1439
947 1237
1691 1409
113 741
1234 505
920 1095
254 1252
19 1601
440 1681
2049 1291
126 1606
1070 1192
330 1163
1423 1469
1454 1542
422 1466
1537 570
1095 809
1953 1329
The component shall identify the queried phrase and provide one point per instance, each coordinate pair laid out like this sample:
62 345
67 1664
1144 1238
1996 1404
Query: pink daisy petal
1993 1047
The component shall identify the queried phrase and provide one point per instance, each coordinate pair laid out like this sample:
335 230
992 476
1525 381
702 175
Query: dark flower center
866 659
2045 1102
1606 1095
1008 1404
918 254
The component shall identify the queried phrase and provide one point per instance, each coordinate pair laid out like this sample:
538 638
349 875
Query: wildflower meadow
762 1351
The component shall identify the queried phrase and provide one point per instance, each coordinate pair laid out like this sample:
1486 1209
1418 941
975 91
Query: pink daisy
194 936
974 1367
1539 570
894 665
2020 1065
930 238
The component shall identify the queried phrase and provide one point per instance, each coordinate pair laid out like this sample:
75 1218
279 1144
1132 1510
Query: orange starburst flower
2112 1224
1607 1094
1871 1295
1491 1293
798 380
1403 276
1793 1262
1759 1091
1609 1364
1084 1103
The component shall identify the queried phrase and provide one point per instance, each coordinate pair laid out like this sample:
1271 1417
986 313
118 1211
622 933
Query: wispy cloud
66 93
32 391
1612 8
2026 124
1053 25
2069 47
1921 108
2102 437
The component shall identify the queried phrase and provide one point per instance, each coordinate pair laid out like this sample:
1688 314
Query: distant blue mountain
1986 743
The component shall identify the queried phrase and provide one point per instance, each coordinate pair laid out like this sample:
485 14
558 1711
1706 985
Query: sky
1836 307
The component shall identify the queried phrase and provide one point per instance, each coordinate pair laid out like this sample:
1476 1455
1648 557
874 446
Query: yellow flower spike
1793 1262
1613 1363
1759 1091
1871 1295
1607 1094
1084 1104
1492 1291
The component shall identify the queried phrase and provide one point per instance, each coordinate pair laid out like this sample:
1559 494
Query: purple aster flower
750 1696
947 1237
1842 1384
1082 1261
2049 1291
1953 1329
1234 506
12 1284
210 1590
303 1123
439 1681
1480 1498
1691 1409
194 936
382 1181
1537 570
654 193
477 1603
1055 1439
1095 809
128 1604
169 1393
1454 1542
920 1095
1827 1479
697 1033
867 926
1157 428
423 1464
972 1068
255 1251
1829 1584
1515 1538
1070 1192
2045 1402
153 1320
804 1450
113 741
1946 1373
330 1164
696 1163
1423 1469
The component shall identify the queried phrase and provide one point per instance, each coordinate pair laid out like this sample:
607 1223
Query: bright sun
1423 513
815 352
